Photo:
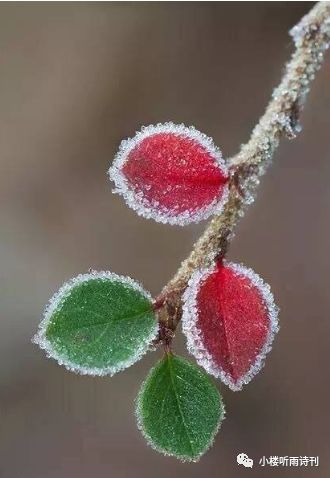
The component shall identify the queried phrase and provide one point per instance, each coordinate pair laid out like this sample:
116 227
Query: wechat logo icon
243 459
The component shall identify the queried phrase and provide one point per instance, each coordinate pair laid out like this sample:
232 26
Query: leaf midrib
107 322
169 359
222 309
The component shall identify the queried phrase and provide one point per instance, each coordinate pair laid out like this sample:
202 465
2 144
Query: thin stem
311 38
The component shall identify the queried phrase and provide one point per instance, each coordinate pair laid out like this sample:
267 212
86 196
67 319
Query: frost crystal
98 324
171 173
229 319
178 409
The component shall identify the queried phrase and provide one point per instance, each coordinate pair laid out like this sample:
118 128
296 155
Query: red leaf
171 173
230 320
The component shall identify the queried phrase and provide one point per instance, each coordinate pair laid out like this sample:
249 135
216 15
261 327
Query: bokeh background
76 78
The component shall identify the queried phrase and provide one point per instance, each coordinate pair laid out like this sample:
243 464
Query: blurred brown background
76 78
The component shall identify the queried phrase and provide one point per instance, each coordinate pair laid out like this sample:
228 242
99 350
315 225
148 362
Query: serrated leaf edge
57 301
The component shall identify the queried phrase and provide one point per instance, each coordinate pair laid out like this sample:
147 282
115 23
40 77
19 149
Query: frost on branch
98 324
171 173
229 319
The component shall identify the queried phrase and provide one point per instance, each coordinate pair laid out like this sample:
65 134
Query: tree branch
281 118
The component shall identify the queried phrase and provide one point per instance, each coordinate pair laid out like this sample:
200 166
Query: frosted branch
311 37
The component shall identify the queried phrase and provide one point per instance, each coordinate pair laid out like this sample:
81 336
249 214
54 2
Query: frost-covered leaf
179 409
171 173
230 320
98 324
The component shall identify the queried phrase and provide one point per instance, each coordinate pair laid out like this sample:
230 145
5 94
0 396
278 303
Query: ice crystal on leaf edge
138 203
193 333
149 440
56 302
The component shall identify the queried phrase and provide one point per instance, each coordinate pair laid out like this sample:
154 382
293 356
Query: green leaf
179 409
98 324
